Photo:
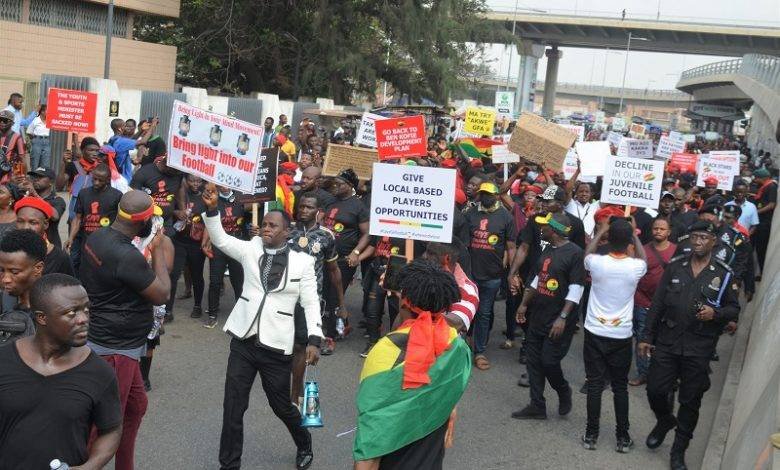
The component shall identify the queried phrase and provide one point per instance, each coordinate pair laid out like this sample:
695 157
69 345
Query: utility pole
109 33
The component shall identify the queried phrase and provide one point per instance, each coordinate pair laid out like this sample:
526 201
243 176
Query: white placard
618 124
614 138
593 157
635 148
579 131
367 133
668 146
414 202
217 148
633 181
505 101
501 154
723 165
674 135
570 164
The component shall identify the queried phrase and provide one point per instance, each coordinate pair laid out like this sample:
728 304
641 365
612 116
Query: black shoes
210 322
303 459
368 347
624 444
168 317
589 441
677 461
658 434
564 402
523 382
530 412
197 312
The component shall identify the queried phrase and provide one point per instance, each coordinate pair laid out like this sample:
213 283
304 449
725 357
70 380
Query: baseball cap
488 187
5 114
554 193
43 172
667 194
558 222
761 173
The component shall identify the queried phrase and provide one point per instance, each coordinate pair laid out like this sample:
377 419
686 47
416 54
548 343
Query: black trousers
665 369
375 306
612 356
544 356
761 242
217 266
187 254
246 360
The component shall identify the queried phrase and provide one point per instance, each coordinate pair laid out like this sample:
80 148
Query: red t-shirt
655 269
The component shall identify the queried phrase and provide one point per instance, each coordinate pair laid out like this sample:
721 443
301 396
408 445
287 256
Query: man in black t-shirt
54 390
33 213
310 183
21 264
41 185
766 201
162 183
550 298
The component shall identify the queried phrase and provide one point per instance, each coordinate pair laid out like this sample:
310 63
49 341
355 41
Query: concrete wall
157 7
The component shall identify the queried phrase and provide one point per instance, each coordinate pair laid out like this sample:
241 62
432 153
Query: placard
674 135
505 101
414 202
401 137
367 133
687 162
570 164
614 138
480 121
501 154
724 165
71 110
341 157
579 131
265 177
593 157
668 146
618 124
637 130
541 141
635 148
633 181
215 147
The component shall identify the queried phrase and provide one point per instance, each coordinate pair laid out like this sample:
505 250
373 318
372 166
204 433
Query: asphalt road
182 425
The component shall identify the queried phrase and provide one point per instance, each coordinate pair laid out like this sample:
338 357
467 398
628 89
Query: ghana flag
390 417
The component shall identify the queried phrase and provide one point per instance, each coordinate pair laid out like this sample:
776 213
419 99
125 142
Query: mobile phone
394 265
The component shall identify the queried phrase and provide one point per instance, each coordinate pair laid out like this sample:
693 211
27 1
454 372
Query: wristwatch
564 315
356 252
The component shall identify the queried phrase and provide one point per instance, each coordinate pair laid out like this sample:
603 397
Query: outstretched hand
210 196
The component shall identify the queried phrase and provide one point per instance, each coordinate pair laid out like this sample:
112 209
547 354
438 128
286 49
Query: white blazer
269 315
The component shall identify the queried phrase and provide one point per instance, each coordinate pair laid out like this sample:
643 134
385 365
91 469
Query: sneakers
530 412
508 344
624 444
210 322
303 459
365 352
589 441
197 312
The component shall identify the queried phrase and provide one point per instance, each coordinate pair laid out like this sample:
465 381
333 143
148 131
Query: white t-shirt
38 128
611 302
585 213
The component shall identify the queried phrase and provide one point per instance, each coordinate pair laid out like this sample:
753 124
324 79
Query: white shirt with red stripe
466 308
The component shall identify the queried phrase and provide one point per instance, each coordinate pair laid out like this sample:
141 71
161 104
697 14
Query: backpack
15 324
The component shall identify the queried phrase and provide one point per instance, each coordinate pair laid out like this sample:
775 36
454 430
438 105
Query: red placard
400 137
687 162
71 110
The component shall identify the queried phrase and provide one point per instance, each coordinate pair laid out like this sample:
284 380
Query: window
74 15
11 10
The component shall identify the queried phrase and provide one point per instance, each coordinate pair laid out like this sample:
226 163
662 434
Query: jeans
40 153
246 360
602 354
375 308
187 251
217 266
544 356
642 363
487 297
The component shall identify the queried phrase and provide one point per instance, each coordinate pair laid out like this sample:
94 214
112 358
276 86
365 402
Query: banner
505 102
723 165
614 138
71 110
501 154
265 177
401 137
633 181
687 162
635 148
480 121
668 146
341 157
414 202
367 133
541 141
593 157
215 147
579 131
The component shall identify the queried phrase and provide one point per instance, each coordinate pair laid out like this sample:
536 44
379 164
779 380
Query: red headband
36 203
140 216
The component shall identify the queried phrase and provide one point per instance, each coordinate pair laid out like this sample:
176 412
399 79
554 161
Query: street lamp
602 105
109 33
625 67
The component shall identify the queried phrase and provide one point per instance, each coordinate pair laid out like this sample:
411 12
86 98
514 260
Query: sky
645 69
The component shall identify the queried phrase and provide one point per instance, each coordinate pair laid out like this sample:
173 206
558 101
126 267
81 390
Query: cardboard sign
71 110
341 157
579 131
265 177
501 154
635 148
215 147
614 138
505 101
633 181
480 121
687 162
414 202
593 157
540 141
723 165
367 133
668 146
401 137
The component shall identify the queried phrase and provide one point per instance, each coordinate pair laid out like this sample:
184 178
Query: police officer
696 298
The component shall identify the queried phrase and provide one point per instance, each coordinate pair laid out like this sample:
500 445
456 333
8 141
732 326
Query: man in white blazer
263 329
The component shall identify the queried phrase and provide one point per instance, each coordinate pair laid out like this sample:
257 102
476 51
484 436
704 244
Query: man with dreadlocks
423 365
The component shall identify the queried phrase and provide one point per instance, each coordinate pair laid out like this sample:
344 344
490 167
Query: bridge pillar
529 60
550 81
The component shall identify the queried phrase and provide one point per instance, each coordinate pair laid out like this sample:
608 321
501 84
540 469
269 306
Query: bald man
311 180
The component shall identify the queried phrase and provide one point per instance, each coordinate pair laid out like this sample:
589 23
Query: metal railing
715 68
593 90
762 68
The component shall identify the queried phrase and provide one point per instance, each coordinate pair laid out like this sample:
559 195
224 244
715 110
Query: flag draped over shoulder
391 417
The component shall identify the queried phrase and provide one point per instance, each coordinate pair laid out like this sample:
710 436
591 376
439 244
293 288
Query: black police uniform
684 344
731 248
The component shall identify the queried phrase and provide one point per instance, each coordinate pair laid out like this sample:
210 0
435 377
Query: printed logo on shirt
394 250
552 284
480 238
104 222
492 239
338 228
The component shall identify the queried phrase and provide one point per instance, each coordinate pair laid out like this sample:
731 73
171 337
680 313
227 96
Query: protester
682 215
766 200
40 184
122 288
12 146
731 214
9 194
268 133
392 433
608 325
276 279
54 378
461 313
311 178
14 108
33 213
40 146
696 298
749 212
583 207
22 254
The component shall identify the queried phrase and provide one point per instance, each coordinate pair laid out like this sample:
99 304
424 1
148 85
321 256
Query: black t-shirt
163 189
114 273
556 269
58 204
490 231
577 235
233 215
343 218
769 195
532 235
97 208
644 222
45 418
57 261
193 231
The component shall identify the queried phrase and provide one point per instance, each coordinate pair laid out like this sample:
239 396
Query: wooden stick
254 213
409 250
627 212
